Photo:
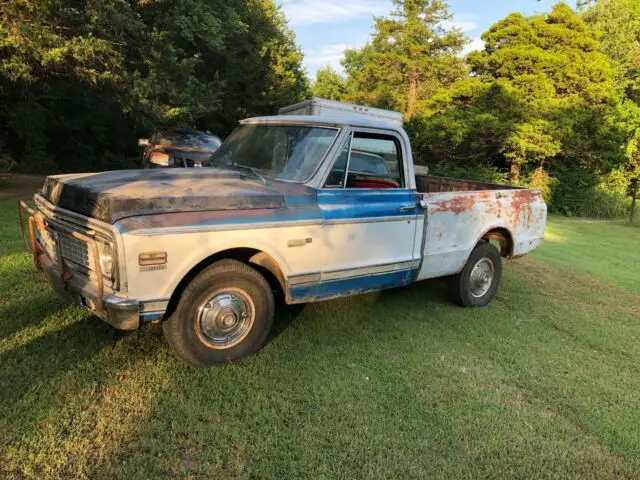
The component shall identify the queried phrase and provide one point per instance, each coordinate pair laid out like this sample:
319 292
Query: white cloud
305 12
327 55
476 44
465 22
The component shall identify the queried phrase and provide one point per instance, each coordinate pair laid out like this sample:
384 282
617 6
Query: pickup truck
301 207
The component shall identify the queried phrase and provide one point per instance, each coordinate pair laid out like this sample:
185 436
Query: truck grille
76 251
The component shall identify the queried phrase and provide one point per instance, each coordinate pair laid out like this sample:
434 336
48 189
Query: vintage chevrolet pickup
303 207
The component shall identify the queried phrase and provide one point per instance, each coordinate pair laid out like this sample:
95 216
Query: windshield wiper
254 170
235 165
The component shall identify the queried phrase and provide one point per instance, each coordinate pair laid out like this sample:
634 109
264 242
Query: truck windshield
283 152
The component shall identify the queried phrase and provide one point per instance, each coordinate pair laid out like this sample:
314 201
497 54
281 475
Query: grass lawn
543 383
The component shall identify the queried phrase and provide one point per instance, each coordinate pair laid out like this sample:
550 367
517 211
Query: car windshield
283 152
196 140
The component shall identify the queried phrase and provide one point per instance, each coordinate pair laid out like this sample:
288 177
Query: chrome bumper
120 312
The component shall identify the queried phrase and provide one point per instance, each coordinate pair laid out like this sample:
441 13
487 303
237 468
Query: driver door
370 218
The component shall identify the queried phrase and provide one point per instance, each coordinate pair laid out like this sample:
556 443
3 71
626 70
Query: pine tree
411 56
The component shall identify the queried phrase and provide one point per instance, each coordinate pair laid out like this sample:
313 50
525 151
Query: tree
329 84
410 57
541 90
618 22
79 81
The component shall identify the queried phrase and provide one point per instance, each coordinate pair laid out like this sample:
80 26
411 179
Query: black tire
226 291
475 289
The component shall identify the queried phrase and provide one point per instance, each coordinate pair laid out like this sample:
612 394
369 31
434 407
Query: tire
223 315
477 283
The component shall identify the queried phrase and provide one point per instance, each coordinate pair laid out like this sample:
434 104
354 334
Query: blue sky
324 28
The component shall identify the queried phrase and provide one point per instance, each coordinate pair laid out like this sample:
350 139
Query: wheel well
261 261
503 237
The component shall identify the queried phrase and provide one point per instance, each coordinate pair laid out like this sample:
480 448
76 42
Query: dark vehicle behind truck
177 147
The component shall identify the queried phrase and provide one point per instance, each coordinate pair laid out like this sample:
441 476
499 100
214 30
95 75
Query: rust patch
505 244
454 205
520 206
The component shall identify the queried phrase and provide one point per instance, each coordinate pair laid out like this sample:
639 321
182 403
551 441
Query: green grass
543 383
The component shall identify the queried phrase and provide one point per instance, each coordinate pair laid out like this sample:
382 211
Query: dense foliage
79 81
329 84
551 101
410 57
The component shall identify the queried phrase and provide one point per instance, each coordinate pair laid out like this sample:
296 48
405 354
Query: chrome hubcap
225 318
481 277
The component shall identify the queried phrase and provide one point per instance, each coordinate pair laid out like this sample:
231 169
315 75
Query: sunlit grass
542 384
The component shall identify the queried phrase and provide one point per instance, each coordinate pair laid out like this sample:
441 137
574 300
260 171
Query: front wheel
224 314
477 283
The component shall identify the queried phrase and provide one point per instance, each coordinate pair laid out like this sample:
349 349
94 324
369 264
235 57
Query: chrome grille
75 251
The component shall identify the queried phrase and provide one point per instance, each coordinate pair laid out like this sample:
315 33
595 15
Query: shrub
481 173
579 192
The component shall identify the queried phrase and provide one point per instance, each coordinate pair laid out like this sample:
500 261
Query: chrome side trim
393 218
265 225
306 278
222 227
368 270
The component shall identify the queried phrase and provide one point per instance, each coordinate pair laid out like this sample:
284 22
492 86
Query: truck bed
460 213
433 184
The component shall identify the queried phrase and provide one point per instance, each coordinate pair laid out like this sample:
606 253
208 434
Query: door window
369 160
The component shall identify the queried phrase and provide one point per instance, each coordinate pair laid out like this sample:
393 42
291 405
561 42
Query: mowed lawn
543 383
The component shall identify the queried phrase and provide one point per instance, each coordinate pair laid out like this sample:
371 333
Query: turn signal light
146 259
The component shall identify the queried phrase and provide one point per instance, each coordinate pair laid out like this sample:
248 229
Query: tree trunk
514 172
413 93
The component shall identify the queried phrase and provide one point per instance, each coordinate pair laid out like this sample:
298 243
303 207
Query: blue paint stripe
366 203
148 317
330 204
348 286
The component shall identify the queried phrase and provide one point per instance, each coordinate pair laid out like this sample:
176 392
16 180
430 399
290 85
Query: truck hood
111 196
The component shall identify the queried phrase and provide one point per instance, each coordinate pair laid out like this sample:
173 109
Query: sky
324 28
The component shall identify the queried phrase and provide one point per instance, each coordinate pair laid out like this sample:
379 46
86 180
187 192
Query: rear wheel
224 314
477 283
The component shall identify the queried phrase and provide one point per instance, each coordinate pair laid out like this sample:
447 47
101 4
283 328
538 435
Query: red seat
365 182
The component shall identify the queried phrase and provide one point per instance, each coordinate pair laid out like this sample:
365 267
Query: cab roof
323 121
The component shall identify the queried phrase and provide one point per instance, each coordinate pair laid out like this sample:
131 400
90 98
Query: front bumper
121 312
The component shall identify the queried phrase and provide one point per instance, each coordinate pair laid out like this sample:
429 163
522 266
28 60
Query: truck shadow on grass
72 358
39 362
26 313
431 291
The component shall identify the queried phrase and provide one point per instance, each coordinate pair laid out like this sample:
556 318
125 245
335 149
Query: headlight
106 258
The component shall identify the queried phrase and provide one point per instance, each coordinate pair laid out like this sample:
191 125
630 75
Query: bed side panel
456 221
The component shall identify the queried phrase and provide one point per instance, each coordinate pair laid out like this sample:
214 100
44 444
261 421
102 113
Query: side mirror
143 142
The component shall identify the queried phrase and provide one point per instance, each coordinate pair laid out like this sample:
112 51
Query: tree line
551 101
80 81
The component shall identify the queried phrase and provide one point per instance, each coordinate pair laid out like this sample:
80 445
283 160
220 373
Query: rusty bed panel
456 220
433 184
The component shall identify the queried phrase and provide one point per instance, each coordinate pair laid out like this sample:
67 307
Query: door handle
407 208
